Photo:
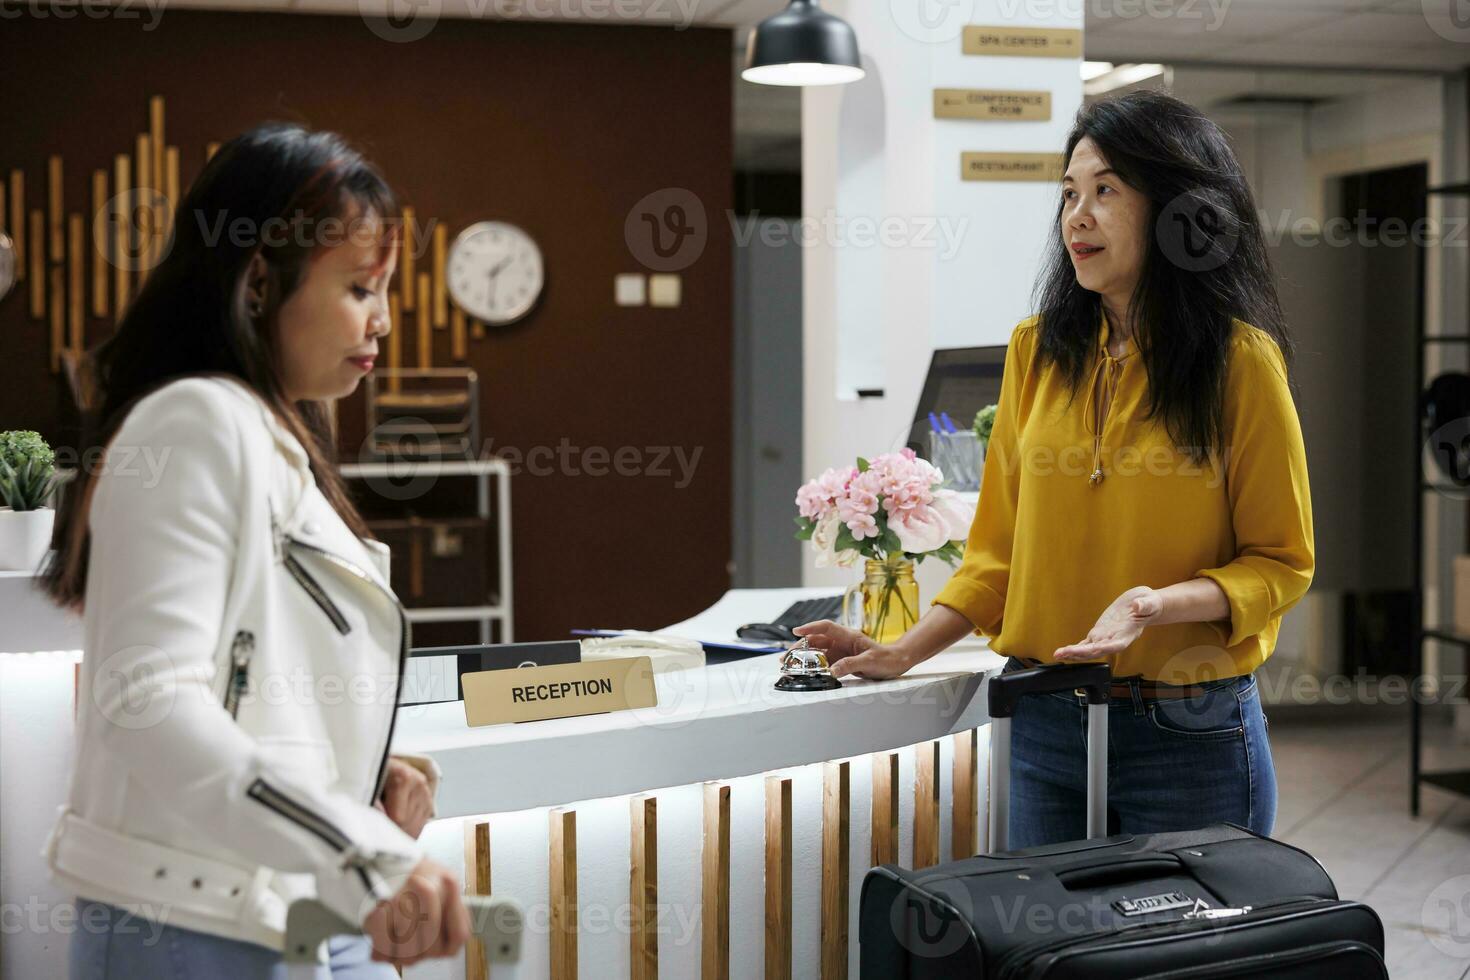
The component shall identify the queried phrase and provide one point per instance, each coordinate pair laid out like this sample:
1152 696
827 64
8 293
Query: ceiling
1221 51
1397 34
714 13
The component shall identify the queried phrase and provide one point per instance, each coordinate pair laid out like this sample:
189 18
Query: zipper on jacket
241 650
318 594
405 635
309 820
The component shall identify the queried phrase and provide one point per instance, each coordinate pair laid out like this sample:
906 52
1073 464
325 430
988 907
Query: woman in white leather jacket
243 649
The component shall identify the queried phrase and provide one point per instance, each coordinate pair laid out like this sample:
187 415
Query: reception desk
724 832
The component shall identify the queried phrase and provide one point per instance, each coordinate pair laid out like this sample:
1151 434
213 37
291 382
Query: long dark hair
1205 263
191 316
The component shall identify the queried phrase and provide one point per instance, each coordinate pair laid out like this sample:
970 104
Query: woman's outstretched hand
1118 626
849 651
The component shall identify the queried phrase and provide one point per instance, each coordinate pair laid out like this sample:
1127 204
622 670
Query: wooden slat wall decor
75 286
405 262
965 832
778 878
926 805
643 889
142 210
563 894
714 950
18 220
476 882
836 831
885 808
122 238
395 339
38 264
424 325
171 194
457 337
58 315
441 288
57 236
101 238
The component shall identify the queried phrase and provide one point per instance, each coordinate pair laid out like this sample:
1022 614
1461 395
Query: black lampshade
802 45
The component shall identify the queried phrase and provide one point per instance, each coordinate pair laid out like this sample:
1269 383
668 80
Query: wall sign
1030 42
493 697
1046 167
991 104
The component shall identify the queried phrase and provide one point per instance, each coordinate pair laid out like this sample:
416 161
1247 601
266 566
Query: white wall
969 287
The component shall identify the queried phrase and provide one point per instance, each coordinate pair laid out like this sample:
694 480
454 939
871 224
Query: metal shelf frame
499 607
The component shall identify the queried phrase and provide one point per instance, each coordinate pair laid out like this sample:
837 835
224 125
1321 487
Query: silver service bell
805 669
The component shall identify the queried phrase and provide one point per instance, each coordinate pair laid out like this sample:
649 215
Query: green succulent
984 422
27 470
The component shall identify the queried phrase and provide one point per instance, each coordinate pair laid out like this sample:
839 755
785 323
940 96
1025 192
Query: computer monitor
961 381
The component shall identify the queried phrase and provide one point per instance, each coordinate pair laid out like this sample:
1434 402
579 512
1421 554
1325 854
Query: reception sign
493 697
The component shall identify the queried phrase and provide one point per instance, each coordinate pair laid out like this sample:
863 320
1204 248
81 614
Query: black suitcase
1216 902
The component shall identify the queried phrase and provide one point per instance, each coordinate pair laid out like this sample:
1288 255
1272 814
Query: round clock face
7 264
495 272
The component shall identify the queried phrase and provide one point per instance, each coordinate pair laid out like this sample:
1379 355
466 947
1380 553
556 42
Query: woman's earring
254 309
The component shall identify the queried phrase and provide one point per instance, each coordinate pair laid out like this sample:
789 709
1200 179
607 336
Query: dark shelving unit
1455 780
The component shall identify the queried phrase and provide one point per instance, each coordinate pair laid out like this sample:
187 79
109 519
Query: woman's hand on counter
426 919
407 799
850 651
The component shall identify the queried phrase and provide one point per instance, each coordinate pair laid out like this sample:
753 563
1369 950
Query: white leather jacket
239 682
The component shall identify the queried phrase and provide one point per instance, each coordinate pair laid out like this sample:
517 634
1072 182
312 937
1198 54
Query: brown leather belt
1147 690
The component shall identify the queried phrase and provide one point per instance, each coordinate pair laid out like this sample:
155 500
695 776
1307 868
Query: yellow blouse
1073 513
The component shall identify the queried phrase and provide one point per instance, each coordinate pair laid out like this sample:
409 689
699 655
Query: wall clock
495 272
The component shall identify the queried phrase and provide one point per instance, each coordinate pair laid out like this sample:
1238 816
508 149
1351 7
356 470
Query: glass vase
888 597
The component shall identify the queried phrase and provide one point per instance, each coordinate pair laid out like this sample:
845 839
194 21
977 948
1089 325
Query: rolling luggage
1211 903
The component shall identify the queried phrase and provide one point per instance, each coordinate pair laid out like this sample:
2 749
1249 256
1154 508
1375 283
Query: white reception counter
640 843
724 721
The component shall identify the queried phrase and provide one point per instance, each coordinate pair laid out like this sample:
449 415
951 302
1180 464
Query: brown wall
557 128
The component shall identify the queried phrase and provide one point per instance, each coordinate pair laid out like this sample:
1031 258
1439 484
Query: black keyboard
779 630
810 610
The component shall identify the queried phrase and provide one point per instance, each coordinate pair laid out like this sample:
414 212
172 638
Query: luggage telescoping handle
496 922
1090 681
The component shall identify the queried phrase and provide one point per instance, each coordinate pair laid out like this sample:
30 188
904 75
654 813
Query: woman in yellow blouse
1145 499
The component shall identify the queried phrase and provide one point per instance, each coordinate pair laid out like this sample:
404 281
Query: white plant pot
25 536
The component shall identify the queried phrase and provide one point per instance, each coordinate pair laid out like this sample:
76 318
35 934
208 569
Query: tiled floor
1344 797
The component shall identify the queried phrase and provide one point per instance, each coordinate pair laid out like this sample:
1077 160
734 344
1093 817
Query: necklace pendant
1096 477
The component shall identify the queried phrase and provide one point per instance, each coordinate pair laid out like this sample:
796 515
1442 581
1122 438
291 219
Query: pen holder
958 456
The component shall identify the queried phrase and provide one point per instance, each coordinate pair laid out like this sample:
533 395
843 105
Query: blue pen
948 425
933 423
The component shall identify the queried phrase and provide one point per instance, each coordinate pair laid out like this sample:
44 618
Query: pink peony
919 530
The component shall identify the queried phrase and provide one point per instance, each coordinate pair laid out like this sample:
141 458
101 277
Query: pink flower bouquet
886 508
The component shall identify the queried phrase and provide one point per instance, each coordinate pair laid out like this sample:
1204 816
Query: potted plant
984 422
27 477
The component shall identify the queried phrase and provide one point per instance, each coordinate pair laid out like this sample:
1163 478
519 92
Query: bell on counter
805 669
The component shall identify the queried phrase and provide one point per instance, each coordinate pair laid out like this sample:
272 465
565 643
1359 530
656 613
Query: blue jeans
1172 765
112 944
